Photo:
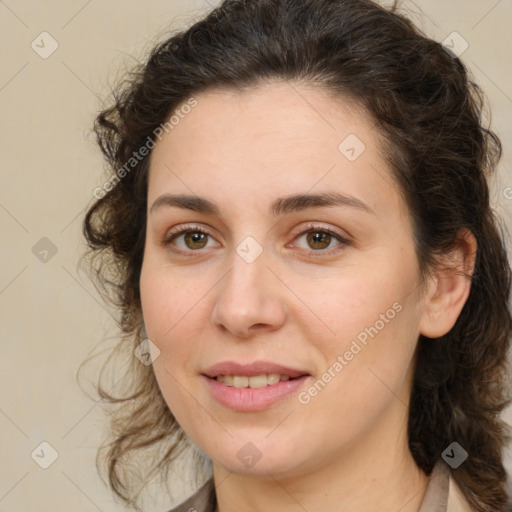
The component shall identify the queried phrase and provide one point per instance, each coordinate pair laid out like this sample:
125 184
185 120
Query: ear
449 287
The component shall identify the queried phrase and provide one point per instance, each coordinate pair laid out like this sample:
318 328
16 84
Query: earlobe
449 288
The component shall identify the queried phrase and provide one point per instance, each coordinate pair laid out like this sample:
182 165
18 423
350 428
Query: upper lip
252 369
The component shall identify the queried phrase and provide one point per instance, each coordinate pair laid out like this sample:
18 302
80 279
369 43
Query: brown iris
195 237
319 237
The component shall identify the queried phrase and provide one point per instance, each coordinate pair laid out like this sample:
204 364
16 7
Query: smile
246 398
257 381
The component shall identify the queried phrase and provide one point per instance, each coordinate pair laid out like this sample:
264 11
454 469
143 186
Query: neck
377 472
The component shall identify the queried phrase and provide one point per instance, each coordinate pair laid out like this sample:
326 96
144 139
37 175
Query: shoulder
443 494
507 462
456 501
203 500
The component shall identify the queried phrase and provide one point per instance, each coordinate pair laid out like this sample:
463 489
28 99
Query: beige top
442 495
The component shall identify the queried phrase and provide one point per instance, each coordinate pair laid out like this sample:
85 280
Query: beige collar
443 494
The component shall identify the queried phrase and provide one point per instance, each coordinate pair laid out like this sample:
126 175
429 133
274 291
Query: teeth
240 381
256 381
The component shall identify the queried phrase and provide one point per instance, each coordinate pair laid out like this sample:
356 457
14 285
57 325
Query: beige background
51 316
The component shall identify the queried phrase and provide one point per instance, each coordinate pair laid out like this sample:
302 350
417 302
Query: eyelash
312 228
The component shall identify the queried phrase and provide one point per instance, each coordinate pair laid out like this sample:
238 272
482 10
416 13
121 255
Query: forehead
288 113
276 138
285 110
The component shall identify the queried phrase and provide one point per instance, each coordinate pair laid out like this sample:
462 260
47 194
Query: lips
252 369
258 399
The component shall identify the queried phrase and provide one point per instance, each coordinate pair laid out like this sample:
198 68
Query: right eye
187 238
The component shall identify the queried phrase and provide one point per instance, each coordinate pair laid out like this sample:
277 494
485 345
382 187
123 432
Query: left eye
320 239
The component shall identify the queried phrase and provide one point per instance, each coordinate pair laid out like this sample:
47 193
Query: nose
249 298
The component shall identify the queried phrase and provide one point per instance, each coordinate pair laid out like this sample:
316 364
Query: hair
430 115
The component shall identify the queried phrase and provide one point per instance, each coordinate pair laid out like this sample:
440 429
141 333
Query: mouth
255 381
253 387
255 369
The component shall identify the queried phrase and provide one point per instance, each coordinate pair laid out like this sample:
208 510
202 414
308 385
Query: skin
347 448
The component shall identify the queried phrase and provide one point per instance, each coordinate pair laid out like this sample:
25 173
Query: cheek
175 312
168 311
341 308
168 303
369 320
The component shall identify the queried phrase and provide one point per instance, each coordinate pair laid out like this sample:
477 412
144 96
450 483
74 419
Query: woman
298 234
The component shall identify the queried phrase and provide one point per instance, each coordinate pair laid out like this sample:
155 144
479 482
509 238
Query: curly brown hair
430 113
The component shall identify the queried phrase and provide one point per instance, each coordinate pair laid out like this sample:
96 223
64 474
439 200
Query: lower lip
253 399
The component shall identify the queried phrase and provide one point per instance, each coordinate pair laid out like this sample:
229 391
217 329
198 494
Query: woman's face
282 272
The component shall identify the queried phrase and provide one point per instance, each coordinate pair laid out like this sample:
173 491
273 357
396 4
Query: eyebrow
281 205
